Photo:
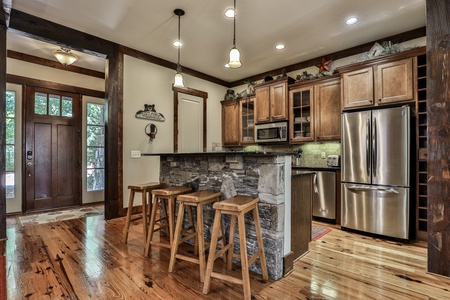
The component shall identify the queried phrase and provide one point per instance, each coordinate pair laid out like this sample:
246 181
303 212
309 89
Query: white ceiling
309 29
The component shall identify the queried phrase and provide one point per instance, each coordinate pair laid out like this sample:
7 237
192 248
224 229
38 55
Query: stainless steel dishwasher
324 199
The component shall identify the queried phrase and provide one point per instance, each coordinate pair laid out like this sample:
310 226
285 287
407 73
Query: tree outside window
10 165
95 152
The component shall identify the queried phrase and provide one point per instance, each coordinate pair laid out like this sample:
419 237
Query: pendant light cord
234 25
179 29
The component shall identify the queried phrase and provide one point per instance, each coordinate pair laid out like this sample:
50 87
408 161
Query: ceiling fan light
65 56
235 59
178 80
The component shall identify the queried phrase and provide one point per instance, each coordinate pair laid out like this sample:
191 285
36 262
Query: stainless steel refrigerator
376 171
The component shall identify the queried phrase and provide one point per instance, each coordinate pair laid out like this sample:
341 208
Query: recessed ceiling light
351 21
177 43
229 13
280 47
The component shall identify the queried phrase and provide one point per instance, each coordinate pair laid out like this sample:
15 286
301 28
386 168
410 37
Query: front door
52 154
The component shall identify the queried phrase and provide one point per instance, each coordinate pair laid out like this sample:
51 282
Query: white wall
146 83
22 68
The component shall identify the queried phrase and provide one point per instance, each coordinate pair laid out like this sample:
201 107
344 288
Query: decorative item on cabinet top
149 113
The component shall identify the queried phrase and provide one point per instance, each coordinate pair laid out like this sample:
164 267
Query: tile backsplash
312 152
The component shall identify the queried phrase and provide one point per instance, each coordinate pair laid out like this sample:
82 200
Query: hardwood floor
86 259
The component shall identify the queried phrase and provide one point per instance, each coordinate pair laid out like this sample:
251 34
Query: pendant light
65 56
178 77
235 56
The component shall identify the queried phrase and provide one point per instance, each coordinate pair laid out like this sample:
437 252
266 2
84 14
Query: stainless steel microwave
271 132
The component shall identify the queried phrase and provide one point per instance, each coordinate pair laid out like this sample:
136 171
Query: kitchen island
266 175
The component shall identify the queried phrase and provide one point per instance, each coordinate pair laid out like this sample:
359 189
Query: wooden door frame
192 92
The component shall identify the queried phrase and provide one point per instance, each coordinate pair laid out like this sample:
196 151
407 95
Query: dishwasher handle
316 188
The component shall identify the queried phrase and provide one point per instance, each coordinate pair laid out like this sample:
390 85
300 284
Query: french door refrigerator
376 171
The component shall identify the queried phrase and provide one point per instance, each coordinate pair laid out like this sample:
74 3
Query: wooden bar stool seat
145 189
163 198
190 201
236 206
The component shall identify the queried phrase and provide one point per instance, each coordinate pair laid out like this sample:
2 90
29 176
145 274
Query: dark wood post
438 109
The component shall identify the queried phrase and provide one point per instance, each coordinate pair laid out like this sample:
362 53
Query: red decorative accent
324 65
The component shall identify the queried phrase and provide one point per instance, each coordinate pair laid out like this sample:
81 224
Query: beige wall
146 83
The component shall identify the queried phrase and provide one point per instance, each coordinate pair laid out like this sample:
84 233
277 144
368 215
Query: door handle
374 147
387 190
368 147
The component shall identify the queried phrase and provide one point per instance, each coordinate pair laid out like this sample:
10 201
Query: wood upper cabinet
278 101
238 122
379 84
357 88
301 109
271 100
262 113
247 120
327 111
315 110
394 81
230 123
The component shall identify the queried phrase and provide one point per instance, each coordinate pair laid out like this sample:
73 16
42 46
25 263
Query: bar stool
144 189
236 206
164 198
190 201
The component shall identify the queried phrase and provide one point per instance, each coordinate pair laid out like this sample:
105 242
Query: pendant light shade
178 81
65 56
235 56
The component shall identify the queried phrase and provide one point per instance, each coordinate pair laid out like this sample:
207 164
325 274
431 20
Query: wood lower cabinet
377 84
301 213
230 123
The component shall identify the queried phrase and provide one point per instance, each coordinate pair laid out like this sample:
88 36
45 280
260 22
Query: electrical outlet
322 155
135 153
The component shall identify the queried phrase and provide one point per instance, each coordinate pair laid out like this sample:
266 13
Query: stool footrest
160 244
186 237
221 251
254 258
228 278
188 258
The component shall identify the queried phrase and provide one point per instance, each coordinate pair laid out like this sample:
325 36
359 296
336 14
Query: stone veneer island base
266 175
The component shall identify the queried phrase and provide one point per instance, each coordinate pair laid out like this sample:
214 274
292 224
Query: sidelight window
95 142
10 165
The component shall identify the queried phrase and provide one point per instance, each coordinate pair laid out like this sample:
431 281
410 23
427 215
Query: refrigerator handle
368 146
374 147
316 190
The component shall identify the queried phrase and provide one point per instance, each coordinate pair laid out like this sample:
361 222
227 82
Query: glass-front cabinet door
247 117
301 109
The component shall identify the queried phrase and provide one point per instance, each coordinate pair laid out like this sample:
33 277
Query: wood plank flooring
86 259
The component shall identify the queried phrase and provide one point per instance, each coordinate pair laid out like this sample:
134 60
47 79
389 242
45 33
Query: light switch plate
322 155
135 154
